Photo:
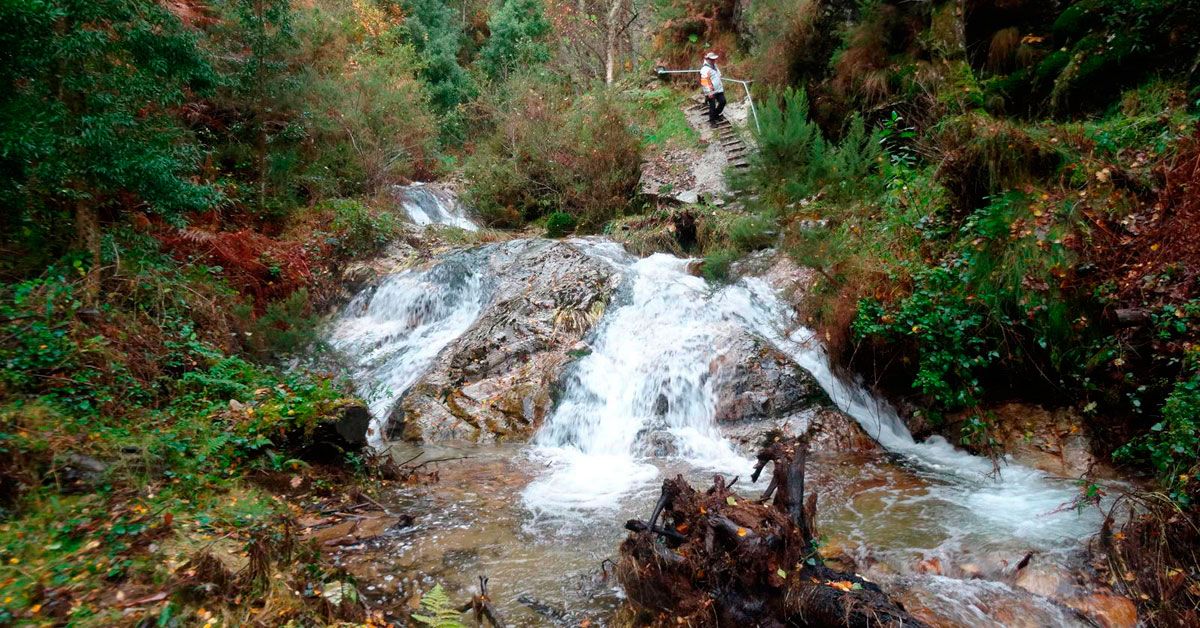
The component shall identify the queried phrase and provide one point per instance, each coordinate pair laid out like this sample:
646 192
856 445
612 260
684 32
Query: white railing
745 85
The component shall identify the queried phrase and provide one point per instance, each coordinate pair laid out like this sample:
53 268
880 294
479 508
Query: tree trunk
87 234
612 27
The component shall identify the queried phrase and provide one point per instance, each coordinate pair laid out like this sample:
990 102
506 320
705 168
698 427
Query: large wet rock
496 380
1056 441
753 381
758 388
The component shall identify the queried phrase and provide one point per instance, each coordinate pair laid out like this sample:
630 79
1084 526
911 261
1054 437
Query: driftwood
481 606
715 559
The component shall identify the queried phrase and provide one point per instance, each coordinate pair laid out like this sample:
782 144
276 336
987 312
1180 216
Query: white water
654 346
426 204
391 334
660 338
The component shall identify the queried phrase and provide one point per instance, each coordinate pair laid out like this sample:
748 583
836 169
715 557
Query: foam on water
427 205
652 352
648 375
391 334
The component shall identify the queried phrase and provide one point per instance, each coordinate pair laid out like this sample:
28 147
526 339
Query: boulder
1107 610
1056 441
496 380
752 381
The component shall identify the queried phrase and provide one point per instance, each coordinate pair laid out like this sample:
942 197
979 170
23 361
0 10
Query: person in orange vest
710 84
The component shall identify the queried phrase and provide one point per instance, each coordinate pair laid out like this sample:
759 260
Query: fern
438 612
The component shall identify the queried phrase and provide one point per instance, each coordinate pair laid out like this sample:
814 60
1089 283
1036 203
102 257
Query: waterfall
648 375
428 204
392 333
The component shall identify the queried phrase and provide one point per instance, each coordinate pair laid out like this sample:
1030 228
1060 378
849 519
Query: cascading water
648 373
426 204
392 333
641 405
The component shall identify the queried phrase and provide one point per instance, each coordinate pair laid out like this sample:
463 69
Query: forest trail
698 173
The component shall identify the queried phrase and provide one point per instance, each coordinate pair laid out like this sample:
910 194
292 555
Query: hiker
710 84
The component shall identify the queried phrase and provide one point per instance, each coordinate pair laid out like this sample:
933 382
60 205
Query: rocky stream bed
547 387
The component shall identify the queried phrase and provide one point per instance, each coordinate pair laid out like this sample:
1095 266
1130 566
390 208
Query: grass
662 122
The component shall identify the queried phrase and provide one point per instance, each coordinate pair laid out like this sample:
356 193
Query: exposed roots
716 559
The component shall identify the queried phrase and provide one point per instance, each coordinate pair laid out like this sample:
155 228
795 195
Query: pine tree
518 33
432 29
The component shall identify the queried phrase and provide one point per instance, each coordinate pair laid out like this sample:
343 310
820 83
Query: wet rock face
496 380
752 382
1055 441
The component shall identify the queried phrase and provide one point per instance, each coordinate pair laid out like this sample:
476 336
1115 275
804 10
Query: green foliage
287 326
588 168
517 40
950 336
717 265
436 610
659 113
86 115
1172 446
359 231
433 28
795 161
559 224
754 232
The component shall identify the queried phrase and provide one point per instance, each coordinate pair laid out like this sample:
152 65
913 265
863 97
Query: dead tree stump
716 559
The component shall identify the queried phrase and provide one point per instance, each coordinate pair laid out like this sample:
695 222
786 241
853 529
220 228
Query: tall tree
87 114
435 32
518 38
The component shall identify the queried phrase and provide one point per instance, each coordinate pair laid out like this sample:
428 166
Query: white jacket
710 79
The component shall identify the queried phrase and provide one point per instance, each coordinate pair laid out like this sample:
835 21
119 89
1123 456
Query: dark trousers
716 105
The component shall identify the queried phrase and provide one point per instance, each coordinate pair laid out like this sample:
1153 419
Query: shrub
717 264
588 168
559 224
1173 444
359 231
795 161
518 31
287 326
433 30
750 233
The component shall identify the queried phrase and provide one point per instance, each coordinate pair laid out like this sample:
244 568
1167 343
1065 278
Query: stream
935 526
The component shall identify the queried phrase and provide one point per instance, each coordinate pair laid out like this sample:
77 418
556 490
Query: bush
559 224
1173 444
359 231
795 161
750 233
717 264
518 32
432 29
589 167
287 326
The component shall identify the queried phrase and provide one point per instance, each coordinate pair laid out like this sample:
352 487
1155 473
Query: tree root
715 559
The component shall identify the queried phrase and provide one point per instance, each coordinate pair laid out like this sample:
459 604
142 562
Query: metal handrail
745 85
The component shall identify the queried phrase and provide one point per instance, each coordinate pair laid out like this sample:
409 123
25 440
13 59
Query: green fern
439 614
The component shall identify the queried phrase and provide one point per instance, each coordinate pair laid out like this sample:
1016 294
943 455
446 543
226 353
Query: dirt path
691 175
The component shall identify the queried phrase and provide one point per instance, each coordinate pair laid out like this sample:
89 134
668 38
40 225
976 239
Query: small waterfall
393 332
645 382
648 375
427 204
